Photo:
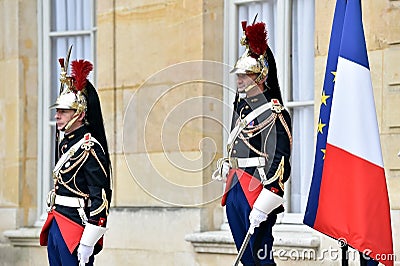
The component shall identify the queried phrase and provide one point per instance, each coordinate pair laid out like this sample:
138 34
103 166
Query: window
63 23
290 28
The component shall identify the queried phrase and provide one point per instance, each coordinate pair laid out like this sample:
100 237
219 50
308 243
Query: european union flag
325 111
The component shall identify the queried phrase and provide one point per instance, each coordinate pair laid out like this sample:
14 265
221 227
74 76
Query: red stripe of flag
346 211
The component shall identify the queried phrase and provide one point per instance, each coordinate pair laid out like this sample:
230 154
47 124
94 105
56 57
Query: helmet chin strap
243 94
250 87
71 122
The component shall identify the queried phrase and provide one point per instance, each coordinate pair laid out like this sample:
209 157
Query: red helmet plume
80 70
256 37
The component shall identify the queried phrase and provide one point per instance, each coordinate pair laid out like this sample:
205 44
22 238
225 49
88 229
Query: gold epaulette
276 107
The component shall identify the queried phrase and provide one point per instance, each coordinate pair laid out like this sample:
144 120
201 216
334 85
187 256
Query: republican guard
258 148
78 205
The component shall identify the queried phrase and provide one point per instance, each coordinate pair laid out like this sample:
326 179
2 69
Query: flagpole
345 257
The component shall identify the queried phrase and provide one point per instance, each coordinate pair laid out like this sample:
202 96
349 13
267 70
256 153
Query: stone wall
18 113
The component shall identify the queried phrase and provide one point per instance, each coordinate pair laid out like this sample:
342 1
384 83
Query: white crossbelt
235 162
244 122
247 162
70 201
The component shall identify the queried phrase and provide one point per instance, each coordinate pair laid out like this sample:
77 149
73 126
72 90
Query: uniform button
56 187
246 107
242 115
236 141
234 151
54 207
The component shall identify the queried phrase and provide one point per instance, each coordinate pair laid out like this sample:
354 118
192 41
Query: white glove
225 171
222 171
256 217
84 253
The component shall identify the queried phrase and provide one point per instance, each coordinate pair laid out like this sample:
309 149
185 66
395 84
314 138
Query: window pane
71 15
81 47
86 14
265 11
302 152
58 15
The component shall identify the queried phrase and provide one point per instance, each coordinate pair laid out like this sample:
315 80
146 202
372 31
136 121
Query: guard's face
63 116
245 80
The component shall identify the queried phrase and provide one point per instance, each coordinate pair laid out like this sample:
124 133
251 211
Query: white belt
70 201
247 162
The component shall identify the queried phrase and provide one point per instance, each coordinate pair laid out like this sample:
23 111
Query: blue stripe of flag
355 48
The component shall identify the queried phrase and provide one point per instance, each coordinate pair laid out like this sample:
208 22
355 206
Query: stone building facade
160 70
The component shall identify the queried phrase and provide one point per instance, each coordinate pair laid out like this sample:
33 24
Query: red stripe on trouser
251 186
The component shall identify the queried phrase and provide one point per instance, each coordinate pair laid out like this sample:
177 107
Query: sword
68 56
64 67
243 247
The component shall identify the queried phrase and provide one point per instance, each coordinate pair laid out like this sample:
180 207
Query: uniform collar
258 99
77 133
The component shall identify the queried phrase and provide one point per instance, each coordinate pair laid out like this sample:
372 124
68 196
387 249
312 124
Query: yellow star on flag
324 97
320 126
323 151
334 74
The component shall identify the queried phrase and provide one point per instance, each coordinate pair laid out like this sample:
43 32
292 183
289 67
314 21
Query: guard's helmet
74 93
254 59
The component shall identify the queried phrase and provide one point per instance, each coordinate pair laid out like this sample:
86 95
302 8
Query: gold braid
81 159
97 159
286 129
267 123
261 127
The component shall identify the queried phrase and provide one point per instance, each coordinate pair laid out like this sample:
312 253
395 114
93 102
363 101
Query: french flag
348 197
